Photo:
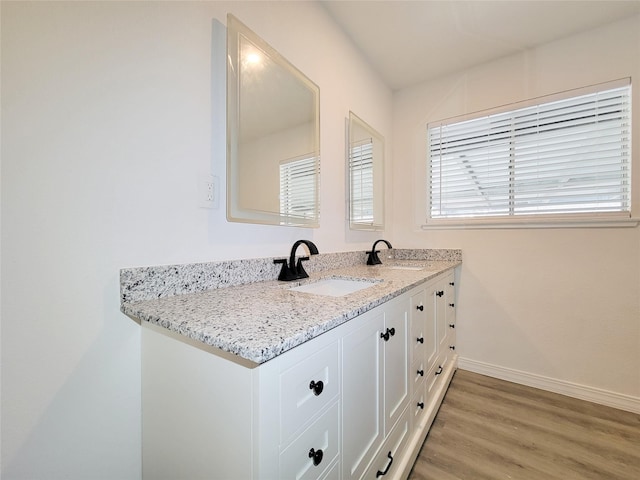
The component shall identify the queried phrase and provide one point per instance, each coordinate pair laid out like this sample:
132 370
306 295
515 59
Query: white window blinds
361 169
298 187
569 156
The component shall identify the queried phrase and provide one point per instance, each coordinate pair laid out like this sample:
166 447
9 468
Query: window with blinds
569 156
298 188
361 172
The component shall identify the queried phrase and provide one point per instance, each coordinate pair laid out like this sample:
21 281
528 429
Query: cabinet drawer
314 450
418 374
385 463
306 389
418 408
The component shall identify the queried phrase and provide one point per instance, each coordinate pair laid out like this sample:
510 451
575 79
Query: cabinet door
430 327
440 299
451 311
362 383
396 362
418 337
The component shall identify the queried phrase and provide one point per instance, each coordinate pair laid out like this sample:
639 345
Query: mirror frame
237 32
376 222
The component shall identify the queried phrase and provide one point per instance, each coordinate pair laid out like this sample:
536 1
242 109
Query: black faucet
293 271
373 259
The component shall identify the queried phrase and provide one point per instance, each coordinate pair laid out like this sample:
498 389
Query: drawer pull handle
421 405
452 325
440 293
420 372
420 307
452 305
379 473
317 387
452 347
439 371
389 333
316 455
420 339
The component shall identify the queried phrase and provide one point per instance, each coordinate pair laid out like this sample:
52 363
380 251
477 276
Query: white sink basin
405 267
334 287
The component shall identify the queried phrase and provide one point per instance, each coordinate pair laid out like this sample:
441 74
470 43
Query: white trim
573 92
575 390
532 223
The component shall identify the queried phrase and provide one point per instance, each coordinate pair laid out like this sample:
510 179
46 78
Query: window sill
511 223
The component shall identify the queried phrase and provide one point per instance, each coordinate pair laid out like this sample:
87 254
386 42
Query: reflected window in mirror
297 186
365 155
273 134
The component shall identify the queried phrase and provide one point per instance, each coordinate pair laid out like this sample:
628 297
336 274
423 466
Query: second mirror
365 161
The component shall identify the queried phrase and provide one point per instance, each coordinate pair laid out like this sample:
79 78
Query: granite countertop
259 321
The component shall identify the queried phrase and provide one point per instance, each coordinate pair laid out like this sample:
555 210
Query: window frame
585 219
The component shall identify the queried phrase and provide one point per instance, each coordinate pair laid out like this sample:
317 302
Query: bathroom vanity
267 380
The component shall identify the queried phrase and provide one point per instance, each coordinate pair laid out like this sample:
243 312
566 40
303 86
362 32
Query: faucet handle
301 273
373 258
285 271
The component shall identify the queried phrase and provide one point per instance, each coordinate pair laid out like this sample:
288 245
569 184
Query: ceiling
409 42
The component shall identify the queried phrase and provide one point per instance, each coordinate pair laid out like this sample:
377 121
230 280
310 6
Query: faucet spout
373 258
295 271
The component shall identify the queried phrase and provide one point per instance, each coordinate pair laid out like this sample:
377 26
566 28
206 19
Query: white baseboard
583 392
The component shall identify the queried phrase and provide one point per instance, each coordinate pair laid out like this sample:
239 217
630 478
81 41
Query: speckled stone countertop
261 320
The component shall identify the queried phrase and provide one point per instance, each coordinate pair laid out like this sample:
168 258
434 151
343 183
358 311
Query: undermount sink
334 287
405 267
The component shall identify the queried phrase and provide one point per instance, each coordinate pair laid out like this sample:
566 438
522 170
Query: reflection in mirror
273 135
366 176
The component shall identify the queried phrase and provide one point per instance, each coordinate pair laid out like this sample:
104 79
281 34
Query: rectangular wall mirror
365 155
273 135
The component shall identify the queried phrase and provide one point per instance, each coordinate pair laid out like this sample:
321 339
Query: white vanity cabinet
207 417
438 321
342 405
375 366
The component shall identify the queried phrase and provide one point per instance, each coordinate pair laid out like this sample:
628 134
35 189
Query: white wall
556 307
107 118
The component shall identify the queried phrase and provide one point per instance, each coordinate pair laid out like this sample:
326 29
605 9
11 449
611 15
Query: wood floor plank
491 429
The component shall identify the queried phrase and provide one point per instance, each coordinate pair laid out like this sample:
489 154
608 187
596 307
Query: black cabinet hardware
379 473
452 347
420 340
439 371
421 405
420 307
452 283
389 333
452 325
440 293
316 455
317 387
420 372
452 305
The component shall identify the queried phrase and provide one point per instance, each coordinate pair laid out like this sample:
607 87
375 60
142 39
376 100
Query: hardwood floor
491 429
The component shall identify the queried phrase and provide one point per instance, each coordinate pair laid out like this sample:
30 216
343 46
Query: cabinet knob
452 347
421 405
379 473
317 387
420 372
440 293
452 325
420 307
420 339
439 371
452 283
452 305
388 334
316 455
